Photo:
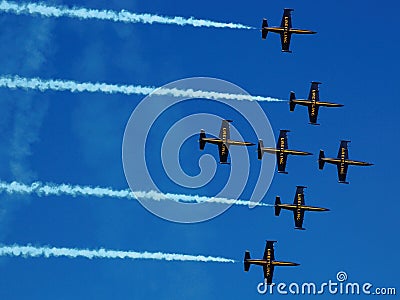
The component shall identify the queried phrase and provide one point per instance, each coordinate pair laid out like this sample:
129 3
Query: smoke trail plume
41 189
31 251
124 16
39 84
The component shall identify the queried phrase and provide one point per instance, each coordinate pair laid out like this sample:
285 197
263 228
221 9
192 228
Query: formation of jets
282 151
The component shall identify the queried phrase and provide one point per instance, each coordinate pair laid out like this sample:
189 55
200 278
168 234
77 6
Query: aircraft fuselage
301 207
285 151
342 162
306 102
287 31
268 263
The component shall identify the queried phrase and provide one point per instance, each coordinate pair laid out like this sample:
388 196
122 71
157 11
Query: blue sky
77 138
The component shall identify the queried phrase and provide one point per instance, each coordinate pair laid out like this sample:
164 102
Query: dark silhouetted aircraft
268 262
281 151
223 141
312 102
342 161
298 207
285 30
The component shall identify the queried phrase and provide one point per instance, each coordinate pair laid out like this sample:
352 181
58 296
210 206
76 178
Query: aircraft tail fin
277 207
246 263
264 32
201 139
291 103
321 162
259 150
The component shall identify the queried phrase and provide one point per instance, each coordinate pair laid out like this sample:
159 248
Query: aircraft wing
298 217
343 150
281 158
223 153
282 140
224 133
285 41
342 172
287 18
269 250
313 113
268 273
314 91
299 197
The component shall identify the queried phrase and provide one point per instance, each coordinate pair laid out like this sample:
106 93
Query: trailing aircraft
298 207
342 161
312 102
268 262
223 142
285 30
281 151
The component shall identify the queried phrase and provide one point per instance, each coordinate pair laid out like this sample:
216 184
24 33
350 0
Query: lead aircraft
342 161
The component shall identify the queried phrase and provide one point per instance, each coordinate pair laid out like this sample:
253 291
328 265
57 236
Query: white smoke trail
42 85
124 16
41 189
31 251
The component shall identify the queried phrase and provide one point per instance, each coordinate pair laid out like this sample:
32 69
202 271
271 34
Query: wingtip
300 228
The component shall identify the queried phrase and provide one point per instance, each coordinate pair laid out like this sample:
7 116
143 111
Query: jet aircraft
268 262
298 207
342 161
312 102
285 30
281 151
223 141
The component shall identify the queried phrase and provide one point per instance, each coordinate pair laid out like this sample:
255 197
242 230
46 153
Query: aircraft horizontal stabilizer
259 150
291 103
321 162
277 207
246 263
201 139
